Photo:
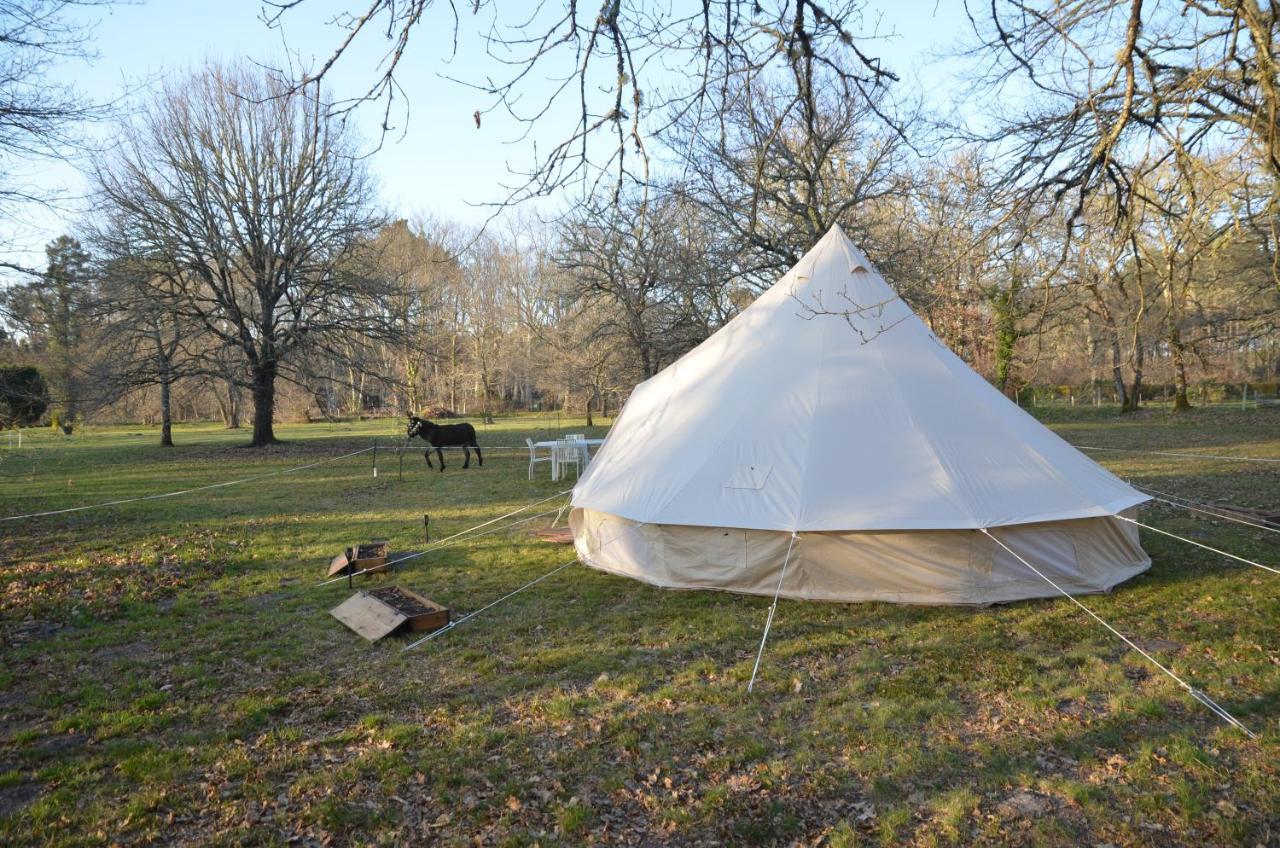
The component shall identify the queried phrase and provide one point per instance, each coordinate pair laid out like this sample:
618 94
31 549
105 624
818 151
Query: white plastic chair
533 457
566 452
580 440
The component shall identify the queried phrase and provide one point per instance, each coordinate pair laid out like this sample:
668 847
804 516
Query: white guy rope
439 547
472 615
185 491
768 622
1197 506
441 543
560 567
1219 456
521 448
1204 699
1198 545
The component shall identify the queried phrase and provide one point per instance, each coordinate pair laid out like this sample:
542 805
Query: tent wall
911 566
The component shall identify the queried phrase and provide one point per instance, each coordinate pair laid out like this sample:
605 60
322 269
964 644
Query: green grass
171 673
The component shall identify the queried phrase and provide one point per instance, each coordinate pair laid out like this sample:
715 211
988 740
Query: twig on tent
1200 696
874 311
1198 545
768 622
472 615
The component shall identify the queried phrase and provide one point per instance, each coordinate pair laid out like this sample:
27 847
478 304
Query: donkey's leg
440 456
427 454
479 457
466 461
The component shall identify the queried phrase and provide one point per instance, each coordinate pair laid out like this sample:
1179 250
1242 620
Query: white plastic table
584 446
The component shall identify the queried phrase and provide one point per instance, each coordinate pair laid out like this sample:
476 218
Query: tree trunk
1092 341
166 414
1005 343
1003 305
1135 389
234 406
1181 403
1117 374
646 361
412 370
355 385
264 404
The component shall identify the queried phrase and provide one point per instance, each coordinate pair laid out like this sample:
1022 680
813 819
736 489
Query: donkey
440 436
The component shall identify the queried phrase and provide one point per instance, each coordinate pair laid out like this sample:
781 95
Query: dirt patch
1157 645
401 600
16 797
1021 805
128 652
267 599
56 746
30 630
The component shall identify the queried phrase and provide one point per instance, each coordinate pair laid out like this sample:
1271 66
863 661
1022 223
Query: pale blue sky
442 164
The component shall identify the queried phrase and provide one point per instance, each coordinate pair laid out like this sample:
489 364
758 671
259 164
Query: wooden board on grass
368 616
556 535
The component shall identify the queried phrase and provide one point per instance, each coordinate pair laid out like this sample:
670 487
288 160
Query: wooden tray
420 613
380 612
370 556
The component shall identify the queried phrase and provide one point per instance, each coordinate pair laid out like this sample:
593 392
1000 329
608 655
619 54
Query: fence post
375 458
1244 396
400 457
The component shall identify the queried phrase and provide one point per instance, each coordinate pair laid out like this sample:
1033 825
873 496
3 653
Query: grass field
171 674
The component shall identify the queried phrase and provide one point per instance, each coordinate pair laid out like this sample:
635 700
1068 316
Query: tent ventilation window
748 477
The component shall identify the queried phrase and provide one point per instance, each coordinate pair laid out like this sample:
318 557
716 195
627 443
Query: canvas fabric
962 567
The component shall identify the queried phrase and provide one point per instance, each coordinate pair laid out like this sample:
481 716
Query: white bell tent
845 459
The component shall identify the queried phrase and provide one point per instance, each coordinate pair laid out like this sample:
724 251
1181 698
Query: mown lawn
171 674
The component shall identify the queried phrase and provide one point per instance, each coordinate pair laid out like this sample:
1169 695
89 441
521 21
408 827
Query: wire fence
385 455
181 492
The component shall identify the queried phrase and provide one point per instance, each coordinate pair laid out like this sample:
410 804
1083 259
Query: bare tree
1119 85
251 204
38 116
612 64
653 265
780 165
421 263
145 343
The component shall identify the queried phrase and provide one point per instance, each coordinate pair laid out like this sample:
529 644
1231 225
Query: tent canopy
789 421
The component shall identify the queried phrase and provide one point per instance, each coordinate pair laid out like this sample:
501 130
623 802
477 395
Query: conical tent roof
784 420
